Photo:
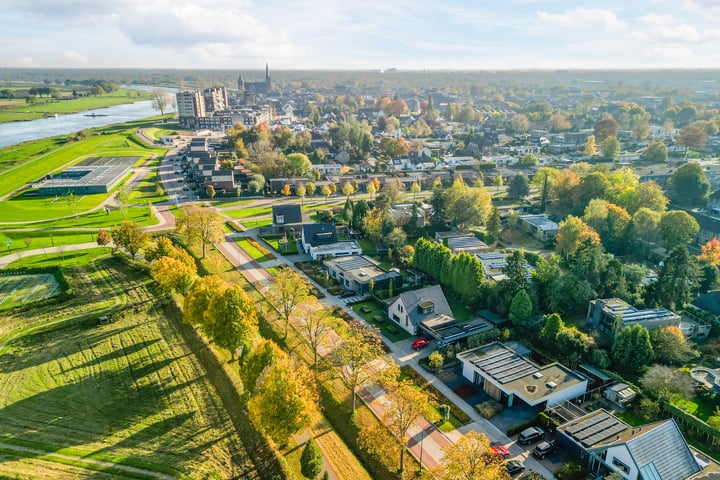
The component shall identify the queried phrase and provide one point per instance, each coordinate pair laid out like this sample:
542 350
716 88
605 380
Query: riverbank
10 111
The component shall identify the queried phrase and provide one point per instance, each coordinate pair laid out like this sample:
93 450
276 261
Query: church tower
267 77
240 84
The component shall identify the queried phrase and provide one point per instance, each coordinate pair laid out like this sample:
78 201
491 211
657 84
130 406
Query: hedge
515 429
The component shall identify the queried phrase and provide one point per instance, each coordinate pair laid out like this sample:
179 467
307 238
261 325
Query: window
620 465
400 308
279 218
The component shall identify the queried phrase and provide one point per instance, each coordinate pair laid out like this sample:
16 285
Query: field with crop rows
125 397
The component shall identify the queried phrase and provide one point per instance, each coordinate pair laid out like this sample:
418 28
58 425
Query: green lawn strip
367 246
248 212
253 251
698 406
376 315
256 222
74 258
42 108
96 219
237 203
41 239
150 189
274 242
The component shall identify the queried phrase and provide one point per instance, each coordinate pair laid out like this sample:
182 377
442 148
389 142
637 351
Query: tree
529 160
325 191
103 237
553 326
202 224
285 190
130 236
646 195
710 252
571 233
498 182
678 278
370 189
407 404
297 165
301 191
197 301
493 226
690 185
677 227
671 347
354 355
610 148
691 137
172 274
436 360
663 382
161 99
315 324
211 191
655 152
348 189
631 348
310 460
284 400
467 459
310 188
415 189
519 186
287 291
233 319
520 308
605 128
590 149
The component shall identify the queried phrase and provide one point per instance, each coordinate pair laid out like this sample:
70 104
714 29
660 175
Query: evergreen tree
310 460
632 349
493 226
520 308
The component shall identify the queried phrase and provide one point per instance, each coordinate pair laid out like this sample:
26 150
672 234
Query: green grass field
14 112
23 289
253 251
249 212
74 258
150 189
96 219
129 392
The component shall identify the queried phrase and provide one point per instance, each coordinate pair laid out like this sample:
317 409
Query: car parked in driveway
514 467
420 343
500 450
544 449
531 435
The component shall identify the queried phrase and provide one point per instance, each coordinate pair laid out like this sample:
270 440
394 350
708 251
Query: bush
570 471
310 460
489 408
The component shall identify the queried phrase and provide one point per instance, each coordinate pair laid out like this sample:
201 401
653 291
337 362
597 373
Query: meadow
127 398
14 110
24 289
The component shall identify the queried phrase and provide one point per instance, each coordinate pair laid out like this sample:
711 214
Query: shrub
521 426
489 409
570 471
310 460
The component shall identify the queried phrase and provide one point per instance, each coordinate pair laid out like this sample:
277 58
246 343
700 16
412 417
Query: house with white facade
320 241
509 377
410 308
359 272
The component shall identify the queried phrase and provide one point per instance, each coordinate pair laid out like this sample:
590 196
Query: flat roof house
506 376
605 313
603 444
410 308
320 241
468 244
540 226
355 273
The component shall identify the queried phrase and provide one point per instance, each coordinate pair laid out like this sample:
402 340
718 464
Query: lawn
150 189
248 212
699 406
368 247
375 314
96 219
256 222
41 109
30 240
23 289
74 258
274 242
461 311
130 392
256 251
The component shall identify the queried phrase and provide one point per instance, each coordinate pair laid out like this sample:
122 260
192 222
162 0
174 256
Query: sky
361 34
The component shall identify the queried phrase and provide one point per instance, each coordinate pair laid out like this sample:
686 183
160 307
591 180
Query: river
16 132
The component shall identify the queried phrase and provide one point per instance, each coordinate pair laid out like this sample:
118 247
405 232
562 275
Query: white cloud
75 57
583 19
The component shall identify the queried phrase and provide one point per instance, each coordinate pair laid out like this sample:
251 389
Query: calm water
16 132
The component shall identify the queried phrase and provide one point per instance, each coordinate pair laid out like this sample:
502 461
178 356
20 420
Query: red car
501 450
420 343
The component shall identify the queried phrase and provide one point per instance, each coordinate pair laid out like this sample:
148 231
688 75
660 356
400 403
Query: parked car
544 449
347 293
530 435
514 467
501 451
420 343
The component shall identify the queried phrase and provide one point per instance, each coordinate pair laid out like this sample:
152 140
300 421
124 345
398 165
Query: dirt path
89 462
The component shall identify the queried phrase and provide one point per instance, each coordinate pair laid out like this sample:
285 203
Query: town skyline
519 35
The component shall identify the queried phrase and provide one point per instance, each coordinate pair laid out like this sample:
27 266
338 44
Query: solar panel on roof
604 435
522 374
606 423
587 423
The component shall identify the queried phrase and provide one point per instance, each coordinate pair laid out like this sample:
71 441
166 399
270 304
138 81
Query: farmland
128 397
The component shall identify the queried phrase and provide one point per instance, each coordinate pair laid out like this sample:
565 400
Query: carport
445 329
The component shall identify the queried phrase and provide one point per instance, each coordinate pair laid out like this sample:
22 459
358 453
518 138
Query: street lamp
8 244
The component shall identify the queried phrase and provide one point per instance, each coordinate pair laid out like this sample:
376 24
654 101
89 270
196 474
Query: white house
320 241
506 376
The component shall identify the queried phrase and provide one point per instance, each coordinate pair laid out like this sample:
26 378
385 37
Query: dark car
544 449
530 435
347 293
420 343
514 467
